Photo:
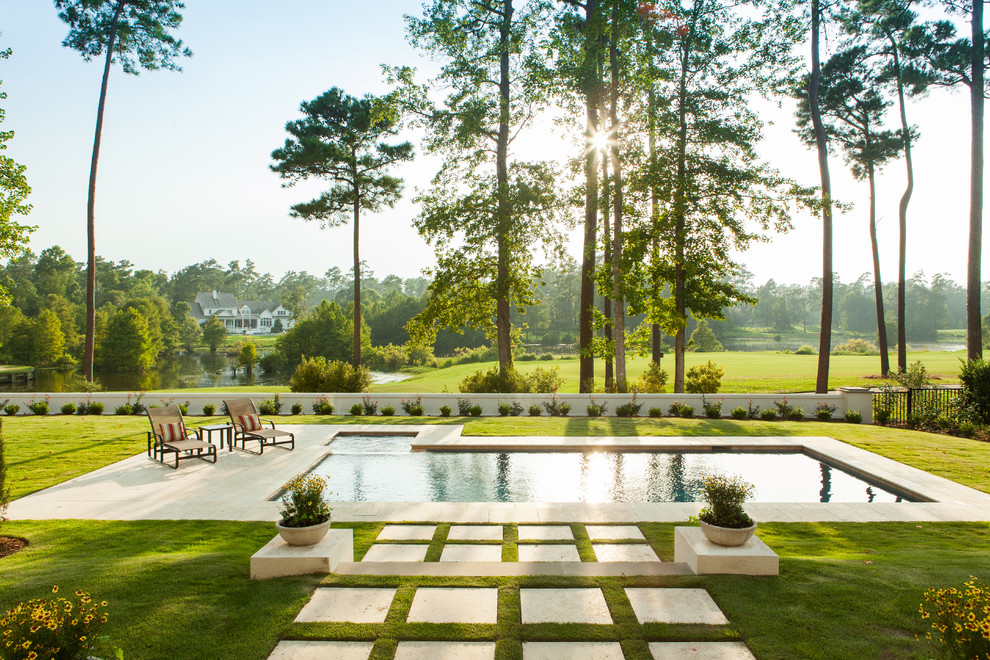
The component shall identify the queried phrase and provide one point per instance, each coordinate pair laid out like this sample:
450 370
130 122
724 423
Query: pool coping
138 488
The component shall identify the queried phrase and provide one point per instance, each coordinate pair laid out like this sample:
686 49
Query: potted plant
305 512
723 521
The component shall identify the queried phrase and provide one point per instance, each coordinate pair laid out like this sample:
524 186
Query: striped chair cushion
172 432
249 422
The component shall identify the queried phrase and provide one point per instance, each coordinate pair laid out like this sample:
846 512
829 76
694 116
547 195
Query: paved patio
241 485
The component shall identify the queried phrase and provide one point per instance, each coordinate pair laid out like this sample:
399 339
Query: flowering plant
960 619
53 628
303 503
725 497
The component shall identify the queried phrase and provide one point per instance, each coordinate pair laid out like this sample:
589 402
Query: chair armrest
263 421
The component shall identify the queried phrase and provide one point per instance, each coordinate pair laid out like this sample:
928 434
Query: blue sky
184 161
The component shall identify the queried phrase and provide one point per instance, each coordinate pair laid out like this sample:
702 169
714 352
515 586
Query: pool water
384 469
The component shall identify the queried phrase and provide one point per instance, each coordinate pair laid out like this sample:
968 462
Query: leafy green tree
39 341
579 41
821 145
703 340
486 210
214 333
340 139
136 34
14 189
325 332
951 61
886 23
721 195
188 331
277 327
127 343
248 357
197 278
853 111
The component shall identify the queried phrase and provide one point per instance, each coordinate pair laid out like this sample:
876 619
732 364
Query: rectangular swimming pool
384 469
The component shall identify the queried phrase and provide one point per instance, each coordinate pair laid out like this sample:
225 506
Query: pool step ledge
505 569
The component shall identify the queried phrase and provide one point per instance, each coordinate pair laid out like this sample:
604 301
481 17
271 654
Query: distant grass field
745 371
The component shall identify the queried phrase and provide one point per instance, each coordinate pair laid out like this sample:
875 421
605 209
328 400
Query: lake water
199 370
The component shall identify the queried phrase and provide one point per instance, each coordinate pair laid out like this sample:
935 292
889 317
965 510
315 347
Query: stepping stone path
540 552
479 605
624 552
545 533
464 552
454 605
572 651
564 606
475 533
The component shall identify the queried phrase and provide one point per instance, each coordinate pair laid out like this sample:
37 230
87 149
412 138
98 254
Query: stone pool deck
242 485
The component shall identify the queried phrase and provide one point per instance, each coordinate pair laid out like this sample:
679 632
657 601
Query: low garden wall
856 399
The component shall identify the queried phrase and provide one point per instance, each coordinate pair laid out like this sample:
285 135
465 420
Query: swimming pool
384 469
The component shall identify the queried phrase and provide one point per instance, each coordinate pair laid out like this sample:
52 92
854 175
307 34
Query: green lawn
44 451
745 371
180 589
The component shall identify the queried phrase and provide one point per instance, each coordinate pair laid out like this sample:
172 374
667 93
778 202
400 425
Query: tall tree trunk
654 199
587 358
680 220
902 213
89 348
974 330
607 264
357 268
825 334
877 281
618 296
503 322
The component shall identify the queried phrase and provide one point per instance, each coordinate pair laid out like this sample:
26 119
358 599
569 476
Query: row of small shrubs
414 407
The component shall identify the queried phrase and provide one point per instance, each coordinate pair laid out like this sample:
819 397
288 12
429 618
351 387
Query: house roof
209 301
258 306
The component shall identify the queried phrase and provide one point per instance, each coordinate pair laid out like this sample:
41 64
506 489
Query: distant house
249 317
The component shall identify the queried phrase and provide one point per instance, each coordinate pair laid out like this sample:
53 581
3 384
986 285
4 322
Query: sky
184 163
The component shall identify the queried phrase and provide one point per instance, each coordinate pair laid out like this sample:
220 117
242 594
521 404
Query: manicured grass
180 589
175 589
44 451
745 371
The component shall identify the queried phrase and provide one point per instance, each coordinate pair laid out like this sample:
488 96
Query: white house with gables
249 317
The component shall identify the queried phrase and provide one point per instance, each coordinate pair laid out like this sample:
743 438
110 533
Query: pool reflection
383 469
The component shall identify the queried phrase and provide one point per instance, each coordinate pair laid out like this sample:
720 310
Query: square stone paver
396 552
356 605
624 552
407 533
701 651
454 605
543 552
564 606
545 533
614 532
475 533
665 605
465 552
572 651
302 650
445 651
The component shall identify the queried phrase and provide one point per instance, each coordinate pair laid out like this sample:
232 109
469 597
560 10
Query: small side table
226 431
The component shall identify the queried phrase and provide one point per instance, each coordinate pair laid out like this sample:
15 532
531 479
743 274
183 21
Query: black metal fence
902 403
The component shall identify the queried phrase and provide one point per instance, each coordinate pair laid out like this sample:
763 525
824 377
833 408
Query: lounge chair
249 426
170 435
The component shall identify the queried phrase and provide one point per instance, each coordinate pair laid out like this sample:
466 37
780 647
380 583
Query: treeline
144 314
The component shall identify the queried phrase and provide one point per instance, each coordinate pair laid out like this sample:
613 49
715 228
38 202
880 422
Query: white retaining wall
845 398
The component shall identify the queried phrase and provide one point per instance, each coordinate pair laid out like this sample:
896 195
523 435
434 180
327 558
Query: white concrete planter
727 536
310 535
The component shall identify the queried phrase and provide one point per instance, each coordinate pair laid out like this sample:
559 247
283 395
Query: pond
184 371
